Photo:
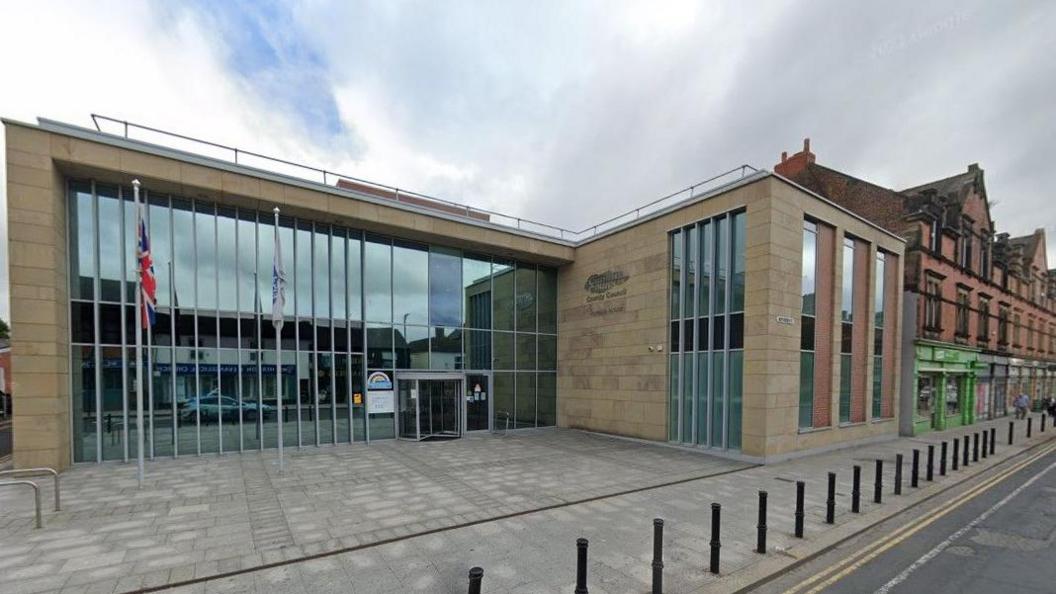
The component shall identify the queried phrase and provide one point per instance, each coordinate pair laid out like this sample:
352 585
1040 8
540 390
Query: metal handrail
27 472
523 224
36 496
507 413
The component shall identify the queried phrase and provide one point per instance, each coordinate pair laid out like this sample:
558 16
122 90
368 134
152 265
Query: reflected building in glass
356 303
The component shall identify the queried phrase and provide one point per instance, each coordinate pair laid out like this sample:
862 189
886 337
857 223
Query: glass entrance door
429 407
478 401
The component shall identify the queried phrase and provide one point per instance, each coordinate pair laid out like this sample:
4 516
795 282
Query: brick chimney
792 166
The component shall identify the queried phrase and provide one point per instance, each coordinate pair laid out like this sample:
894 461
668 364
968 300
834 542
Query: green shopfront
946 378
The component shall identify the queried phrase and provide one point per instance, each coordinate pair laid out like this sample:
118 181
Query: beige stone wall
39 317
609 380
774 270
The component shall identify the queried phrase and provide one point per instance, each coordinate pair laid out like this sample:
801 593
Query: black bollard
658 556
1011 426
1043 422
830 501
581 566
879 482
956 458
993 440
1030 423
964 460
930 470
942 459
800 487
898 474
476 575
856 490
975 447
985 448
716 544
915 474
760 530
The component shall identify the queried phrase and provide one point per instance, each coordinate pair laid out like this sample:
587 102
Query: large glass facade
707 332
355 303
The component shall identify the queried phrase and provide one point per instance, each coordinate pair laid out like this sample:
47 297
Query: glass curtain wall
707 332
355 302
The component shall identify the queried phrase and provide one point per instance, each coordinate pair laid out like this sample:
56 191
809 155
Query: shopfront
947 386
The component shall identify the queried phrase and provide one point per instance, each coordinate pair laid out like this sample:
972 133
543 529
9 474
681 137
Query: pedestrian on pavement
1052 408
1021 403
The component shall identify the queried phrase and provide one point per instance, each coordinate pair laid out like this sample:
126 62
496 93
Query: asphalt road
1002 539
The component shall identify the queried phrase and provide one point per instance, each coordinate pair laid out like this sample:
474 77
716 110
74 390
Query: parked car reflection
213 406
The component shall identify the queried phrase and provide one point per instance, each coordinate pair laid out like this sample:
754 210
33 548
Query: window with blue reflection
445 287
302 272
321 271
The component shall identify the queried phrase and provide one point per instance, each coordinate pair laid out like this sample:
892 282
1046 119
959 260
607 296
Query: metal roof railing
142 133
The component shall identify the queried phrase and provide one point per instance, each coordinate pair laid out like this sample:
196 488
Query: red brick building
980 304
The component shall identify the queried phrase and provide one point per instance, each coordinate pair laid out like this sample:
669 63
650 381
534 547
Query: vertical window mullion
96 289
124 326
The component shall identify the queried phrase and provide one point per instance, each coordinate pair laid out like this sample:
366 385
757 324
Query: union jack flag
148 284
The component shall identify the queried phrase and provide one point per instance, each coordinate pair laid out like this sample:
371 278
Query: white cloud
572 112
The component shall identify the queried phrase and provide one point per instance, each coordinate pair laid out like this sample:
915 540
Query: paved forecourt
201 516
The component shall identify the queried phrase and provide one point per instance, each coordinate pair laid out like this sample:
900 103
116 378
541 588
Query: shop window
925 396
953 396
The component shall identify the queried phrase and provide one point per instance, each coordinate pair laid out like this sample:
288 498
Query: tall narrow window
933 303
706 336
962 313
808 292
983 325
846 330
878 335
1002 325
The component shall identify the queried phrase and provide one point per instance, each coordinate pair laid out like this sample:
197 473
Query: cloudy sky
565 112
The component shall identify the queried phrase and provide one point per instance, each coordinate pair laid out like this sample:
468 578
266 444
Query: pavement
406 517
996 533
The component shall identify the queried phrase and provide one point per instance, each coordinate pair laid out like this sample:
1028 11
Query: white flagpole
277 321
139 342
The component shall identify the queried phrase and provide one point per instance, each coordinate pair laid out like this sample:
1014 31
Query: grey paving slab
237 512
202 516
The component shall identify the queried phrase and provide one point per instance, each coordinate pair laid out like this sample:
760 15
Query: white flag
278 283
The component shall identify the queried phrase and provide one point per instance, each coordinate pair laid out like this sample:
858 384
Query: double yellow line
851 564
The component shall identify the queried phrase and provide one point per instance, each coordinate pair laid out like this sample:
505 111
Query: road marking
901 577
869 553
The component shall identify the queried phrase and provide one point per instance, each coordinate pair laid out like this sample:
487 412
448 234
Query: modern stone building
981 306
745 315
